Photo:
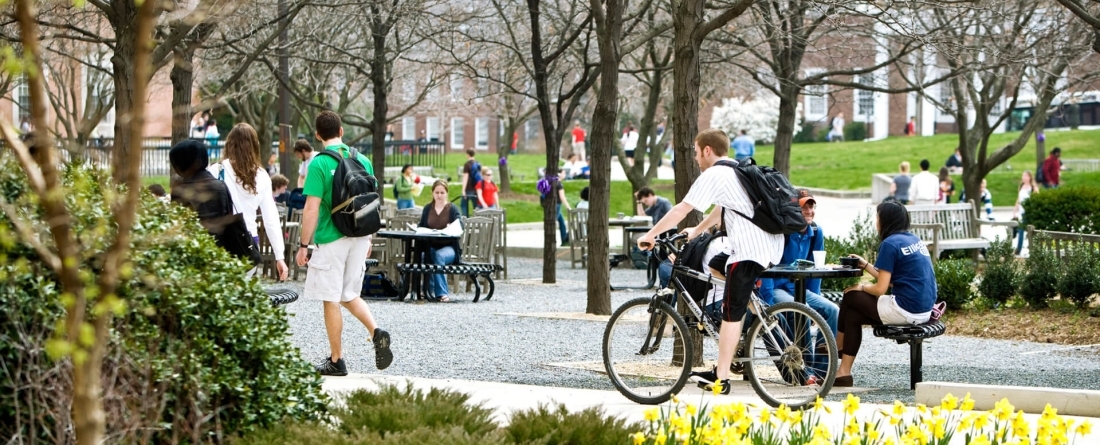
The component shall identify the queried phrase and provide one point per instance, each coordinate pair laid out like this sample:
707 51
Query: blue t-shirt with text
910 266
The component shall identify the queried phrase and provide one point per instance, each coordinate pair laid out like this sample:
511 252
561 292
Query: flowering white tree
758 116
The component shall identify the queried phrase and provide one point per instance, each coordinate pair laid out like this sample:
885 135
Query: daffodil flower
851 404
949 402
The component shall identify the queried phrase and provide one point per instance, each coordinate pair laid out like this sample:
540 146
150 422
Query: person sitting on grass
903 262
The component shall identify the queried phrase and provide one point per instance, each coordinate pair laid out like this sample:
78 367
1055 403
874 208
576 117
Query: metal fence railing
154 157
423 154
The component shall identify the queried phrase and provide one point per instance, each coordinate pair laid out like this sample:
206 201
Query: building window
865 100
458 132
23 105
433 129
456 87
482 132
408 128
947 101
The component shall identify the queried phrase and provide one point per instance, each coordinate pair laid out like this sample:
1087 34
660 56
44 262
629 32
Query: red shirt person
487 190
1052 167
578 140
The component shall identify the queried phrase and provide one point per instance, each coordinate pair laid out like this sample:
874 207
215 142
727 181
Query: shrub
954 279
855 131
808 133
199 354
547 426
1066 209
837 247
1001 275
1039 283
862 240
395 410
1079 280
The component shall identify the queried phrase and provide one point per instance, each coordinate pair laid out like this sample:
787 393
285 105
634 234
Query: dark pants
856 310
740 280
466 200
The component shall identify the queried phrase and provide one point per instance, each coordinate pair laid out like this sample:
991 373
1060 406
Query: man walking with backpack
471 175
337 264
751 248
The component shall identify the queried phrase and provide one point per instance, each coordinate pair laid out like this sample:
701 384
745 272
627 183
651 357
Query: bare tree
691 28
92 298
650 65
1005 53
1087 11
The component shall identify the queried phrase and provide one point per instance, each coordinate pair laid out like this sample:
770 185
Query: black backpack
355 200
774 199
692 257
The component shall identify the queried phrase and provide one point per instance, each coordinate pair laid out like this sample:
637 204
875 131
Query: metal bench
951 227
914 335
472 271
282 296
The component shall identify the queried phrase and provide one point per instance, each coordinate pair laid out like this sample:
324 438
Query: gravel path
480 342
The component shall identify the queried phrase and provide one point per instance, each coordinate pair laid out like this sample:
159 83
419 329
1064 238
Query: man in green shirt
337 265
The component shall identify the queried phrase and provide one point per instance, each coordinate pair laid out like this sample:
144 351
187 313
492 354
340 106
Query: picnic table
626 222
411 277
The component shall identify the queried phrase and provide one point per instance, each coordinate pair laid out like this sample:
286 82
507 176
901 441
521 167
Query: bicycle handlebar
666 240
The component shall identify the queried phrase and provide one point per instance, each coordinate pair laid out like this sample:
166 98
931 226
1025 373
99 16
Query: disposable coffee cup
819 259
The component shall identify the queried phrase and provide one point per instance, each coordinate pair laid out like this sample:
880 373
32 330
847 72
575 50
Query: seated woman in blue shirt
903 261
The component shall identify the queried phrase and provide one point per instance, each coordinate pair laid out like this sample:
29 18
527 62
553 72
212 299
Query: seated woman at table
438 215
903 261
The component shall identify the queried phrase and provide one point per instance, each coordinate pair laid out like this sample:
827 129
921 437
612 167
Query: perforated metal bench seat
371 262
914 335
484 270
282 296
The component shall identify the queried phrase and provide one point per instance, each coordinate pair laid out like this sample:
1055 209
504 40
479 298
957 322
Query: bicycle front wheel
646 352
792 356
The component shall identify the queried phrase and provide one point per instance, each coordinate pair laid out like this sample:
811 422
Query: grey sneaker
382 354
328 367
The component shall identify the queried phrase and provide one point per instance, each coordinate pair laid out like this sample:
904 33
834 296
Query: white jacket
248 203
925 188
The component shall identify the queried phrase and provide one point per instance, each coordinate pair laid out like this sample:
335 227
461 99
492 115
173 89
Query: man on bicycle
751 248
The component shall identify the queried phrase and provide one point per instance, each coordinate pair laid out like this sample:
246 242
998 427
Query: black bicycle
788 354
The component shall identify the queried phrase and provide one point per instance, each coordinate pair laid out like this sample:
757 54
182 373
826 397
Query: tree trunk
609 28
122 63
182 77
504 148
687 17
784 132
378 73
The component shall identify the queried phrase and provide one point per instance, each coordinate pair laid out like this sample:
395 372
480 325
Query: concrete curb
1073 402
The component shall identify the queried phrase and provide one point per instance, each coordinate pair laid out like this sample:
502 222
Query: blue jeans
828 310
562 228
467 199
441 256
664 275
1020 229
405 204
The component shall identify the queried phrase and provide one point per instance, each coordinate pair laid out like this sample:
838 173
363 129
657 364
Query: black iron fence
423 154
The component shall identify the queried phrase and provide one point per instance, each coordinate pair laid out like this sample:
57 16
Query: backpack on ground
774 199
692 257
355 200
475 175
378 286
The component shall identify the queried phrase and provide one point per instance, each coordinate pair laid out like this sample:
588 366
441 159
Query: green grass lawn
837 166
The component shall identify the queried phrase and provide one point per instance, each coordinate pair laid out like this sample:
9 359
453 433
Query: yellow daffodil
873 435
1003 410
980 440
889 441
638 438
1084 429
852 428
853 440
821 431
716 388
949 402
894 420
652 414
939 428
966 422
783 413
1049 412
675 400
691 410
899 408
796 417
660 439
967 403
981 421
765 416
851 404
818 406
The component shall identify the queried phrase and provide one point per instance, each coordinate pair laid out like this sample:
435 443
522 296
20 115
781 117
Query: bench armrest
998 223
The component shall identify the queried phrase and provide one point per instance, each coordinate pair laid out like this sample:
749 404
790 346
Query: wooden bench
912 334
951 227
1061 242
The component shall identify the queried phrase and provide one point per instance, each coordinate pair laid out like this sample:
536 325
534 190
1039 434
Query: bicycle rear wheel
646 352
792 356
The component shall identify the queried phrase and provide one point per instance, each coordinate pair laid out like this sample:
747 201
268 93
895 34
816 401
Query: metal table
411 281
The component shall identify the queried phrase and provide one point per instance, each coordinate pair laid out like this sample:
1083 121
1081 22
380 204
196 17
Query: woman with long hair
437 215
250 187
903 262
1023 192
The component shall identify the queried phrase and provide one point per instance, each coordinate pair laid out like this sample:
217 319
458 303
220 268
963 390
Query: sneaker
704 377
725 387
328 367
382 354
